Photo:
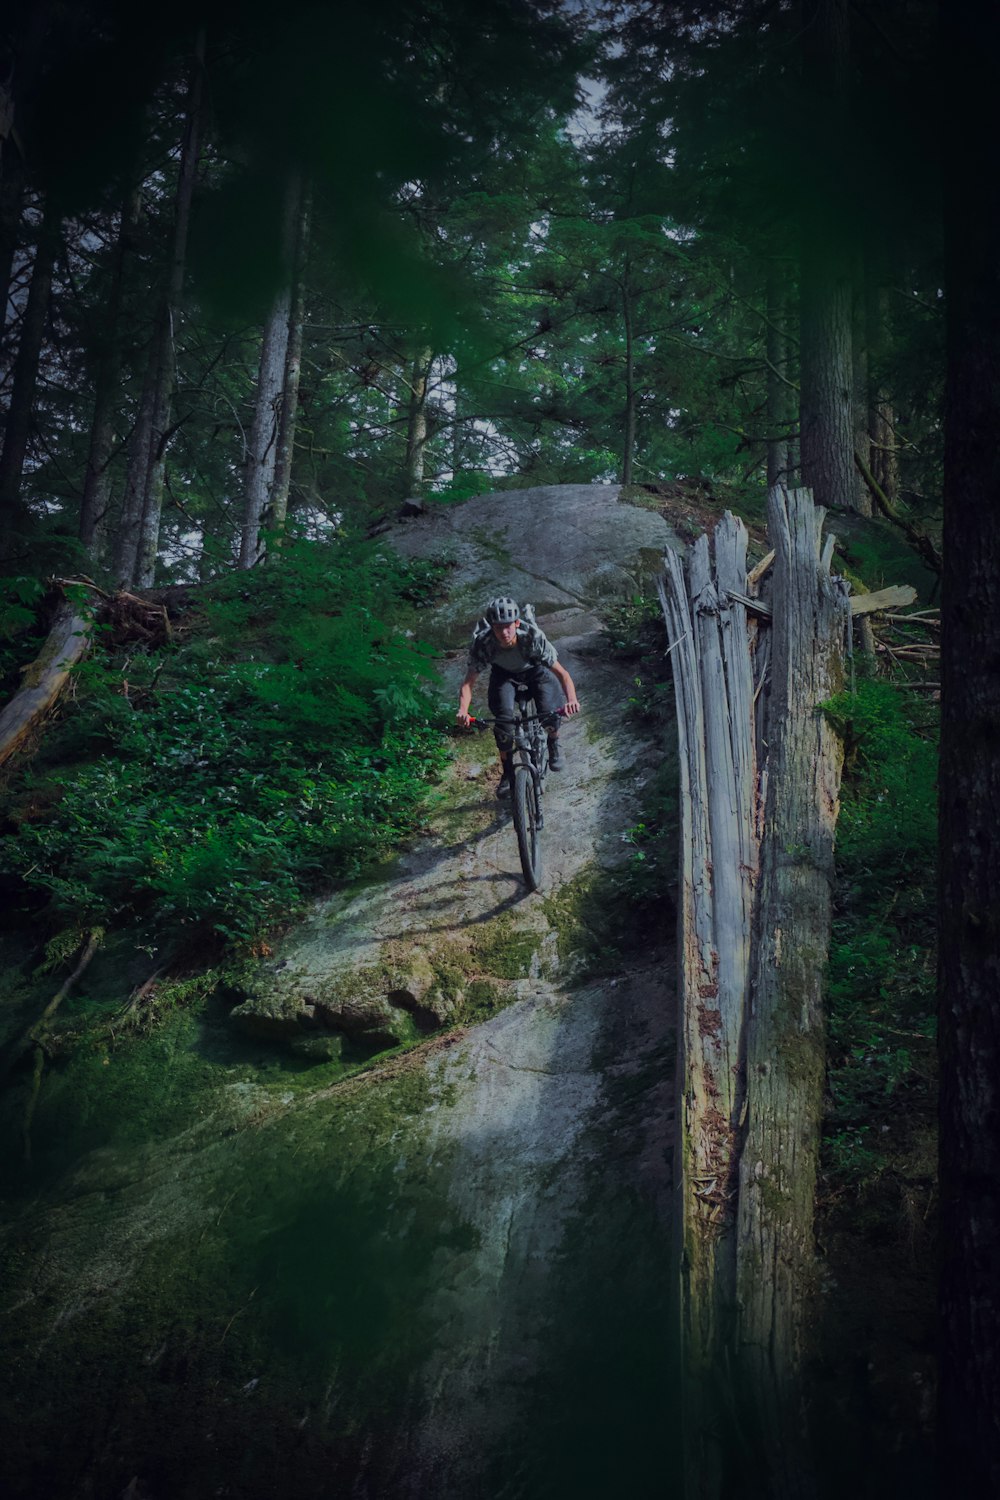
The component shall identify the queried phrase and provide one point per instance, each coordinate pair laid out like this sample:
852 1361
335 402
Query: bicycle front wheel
526 819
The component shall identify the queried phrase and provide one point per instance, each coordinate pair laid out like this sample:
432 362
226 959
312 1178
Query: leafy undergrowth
198 794
876 1206
881 977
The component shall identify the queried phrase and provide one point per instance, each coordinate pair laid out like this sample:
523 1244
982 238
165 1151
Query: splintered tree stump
760 773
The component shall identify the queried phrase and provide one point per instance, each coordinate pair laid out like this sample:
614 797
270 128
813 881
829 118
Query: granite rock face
414 941
559 546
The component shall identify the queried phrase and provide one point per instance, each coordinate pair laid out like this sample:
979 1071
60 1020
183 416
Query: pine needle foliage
206 790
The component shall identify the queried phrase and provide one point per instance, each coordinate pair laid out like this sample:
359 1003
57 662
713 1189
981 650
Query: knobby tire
526 827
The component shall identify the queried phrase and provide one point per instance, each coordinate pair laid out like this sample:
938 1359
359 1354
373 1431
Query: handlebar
556 713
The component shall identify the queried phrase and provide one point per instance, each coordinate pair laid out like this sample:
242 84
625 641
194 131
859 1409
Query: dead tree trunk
262 447
719 851
416 431
759 782
278 512
785 1036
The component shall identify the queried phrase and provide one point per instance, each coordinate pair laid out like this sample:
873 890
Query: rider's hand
464 719
571 707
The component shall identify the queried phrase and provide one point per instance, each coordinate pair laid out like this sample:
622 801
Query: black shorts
545 690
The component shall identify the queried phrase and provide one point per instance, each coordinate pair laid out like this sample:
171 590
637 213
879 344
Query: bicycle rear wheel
526 819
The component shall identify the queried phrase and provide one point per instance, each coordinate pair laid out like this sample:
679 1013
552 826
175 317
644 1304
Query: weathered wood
785 1029
262 447
715 696
757 573
890 598
759 783
45 678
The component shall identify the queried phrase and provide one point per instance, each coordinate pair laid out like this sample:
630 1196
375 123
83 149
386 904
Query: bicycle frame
528 766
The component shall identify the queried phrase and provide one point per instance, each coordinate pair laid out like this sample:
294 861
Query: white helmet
503 611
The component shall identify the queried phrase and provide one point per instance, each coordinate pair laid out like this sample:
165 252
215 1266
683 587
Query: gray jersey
531 649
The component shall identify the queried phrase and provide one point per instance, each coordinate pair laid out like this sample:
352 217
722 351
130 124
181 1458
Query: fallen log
45 678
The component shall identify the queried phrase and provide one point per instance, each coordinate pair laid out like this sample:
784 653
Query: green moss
775 1199
503 950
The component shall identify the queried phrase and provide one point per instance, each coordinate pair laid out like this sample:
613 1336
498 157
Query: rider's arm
566 683
465 697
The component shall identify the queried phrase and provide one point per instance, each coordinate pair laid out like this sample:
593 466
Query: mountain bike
529 765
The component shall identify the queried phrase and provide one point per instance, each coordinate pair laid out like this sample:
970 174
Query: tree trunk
715 723
139 533
137 472
28 48
293 369
756 783
780 403
93 507
884 460
861 384
826 426
11 194
785 1045
416 432
628 446
969 780
25 380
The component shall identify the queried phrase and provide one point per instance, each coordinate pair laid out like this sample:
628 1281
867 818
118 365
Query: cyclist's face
506 634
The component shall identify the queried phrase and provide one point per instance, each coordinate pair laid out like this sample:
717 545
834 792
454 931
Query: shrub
210 787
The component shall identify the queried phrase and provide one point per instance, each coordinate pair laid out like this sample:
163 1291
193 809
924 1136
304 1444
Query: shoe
504 786
555 755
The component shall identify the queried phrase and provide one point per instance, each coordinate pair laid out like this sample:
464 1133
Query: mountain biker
509 642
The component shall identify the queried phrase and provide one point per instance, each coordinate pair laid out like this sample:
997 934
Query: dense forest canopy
496 271
268 275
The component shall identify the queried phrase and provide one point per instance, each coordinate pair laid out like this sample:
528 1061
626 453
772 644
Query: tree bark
759 784
137 472
861 384
969 780
11 194
416 431
785 1046
138 542
628 446
25 380
28 49
93 507
293 370
719 852
884 456
780 403
826 423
